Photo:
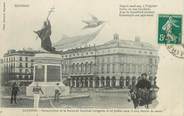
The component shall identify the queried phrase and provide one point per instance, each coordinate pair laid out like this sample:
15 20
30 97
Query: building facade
117 63
17 65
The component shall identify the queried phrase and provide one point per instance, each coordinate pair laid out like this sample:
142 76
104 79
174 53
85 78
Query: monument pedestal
47 74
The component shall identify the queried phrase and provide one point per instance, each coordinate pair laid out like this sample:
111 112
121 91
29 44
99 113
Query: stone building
117 63
17 65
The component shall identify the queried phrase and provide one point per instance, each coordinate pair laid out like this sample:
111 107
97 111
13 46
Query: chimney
137 39
116 36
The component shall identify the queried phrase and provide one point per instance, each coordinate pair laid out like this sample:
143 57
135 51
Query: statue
45 33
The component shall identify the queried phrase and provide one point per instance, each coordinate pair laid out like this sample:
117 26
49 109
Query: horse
140 97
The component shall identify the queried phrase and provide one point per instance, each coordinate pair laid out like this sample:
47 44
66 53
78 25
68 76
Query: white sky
21 21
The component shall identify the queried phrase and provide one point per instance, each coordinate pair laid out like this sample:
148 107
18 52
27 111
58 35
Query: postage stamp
169 29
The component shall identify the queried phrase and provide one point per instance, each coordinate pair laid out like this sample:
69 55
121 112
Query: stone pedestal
47 73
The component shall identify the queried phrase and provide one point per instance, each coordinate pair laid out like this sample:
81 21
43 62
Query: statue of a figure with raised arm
45 33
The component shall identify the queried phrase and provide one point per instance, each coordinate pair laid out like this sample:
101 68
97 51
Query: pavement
71 96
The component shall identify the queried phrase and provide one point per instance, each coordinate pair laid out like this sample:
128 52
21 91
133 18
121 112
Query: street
95 100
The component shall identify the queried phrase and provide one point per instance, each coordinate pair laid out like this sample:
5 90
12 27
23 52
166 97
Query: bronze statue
45 33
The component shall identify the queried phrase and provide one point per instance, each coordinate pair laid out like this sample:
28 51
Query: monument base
48 89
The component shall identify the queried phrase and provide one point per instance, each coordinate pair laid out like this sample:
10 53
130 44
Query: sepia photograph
90 55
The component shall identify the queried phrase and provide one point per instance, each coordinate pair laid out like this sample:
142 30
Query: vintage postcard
91 57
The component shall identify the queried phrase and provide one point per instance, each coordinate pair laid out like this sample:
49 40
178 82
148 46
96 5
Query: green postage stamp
169 29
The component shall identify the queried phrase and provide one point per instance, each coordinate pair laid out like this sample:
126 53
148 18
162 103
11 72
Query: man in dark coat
143 82
14 89
143 89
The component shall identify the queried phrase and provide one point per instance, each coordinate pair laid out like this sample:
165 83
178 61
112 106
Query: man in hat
15 90
57 92
143 88
143 82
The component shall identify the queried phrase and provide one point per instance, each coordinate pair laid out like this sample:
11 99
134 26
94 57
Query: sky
66 20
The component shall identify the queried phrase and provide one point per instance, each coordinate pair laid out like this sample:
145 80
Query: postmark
176 50
169 29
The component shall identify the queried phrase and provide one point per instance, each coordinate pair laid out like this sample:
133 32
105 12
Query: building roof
117 43
128 44
24 52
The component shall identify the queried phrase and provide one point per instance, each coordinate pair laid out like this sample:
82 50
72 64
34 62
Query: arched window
133 68
73 68
77 67
86 68
128 68
102 68
91 67
113 68
82 68
108 68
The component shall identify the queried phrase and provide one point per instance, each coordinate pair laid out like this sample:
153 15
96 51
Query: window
26 71
108 59
31 65
108 68
133 68
26 58
66 68
139 68
128 68
90 67
102 60
23 77
113 68
102 68
20 65
150 61
26 65
77 68
86 68
73 68
20 58
20 76
20 70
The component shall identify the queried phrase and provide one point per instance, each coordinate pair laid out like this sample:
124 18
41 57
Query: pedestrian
36 92
14 92
57 92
